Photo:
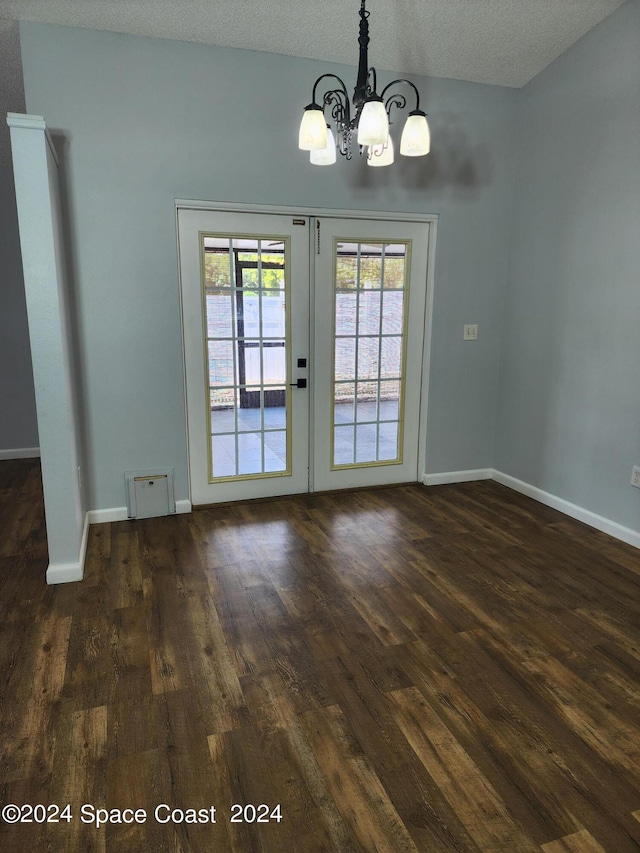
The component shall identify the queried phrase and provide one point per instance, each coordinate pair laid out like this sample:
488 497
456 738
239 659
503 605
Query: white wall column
35 167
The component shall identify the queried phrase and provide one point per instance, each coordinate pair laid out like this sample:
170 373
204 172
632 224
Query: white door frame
287 210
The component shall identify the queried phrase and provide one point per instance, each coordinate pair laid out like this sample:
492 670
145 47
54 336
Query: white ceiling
502 42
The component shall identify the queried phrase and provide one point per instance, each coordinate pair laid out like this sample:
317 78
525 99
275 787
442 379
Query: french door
370 296
245 310
303 342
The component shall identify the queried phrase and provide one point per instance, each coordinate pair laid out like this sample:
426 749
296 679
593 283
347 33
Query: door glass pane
369 342
368 358
366 443
391 357
389 401
223 452
394 266
275 450
345 360
392 312
346 313
246 300
343 445
220 363
367 402
344 399
369 313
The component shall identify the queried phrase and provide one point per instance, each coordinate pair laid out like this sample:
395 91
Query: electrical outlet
471 332
635 477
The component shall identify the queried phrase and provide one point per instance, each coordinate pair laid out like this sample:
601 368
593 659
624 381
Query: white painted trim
64 573
28 121
102 516
20 453
427 337
612 528
599 522
182 351
70 572
120 513
288 210
457 477
33 123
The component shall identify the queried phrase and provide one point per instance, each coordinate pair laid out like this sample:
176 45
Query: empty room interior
320 426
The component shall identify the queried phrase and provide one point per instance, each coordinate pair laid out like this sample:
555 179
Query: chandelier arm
334 99
408 83
342 89
339 96
395 100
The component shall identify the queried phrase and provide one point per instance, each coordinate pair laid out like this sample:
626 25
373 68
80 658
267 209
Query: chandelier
368 116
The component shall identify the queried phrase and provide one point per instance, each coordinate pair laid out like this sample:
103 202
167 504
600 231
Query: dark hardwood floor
445 669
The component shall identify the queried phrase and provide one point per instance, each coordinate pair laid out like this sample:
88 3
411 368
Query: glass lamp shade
313 129
381 155
416 137
327 155
373 126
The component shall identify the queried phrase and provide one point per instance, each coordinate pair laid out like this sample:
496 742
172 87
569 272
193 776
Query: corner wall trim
20 453
457 477
70 572
183 507
599 522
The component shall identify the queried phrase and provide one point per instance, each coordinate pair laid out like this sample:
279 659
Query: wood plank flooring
447 670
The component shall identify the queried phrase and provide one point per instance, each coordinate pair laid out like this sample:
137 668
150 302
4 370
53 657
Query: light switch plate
471 332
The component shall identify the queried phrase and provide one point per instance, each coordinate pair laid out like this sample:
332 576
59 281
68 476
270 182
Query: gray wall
18 426
569 412
144 121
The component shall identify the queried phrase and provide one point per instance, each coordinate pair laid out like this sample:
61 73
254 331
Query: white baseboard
120 513
599 522
70 572
457 477
20 453
102 516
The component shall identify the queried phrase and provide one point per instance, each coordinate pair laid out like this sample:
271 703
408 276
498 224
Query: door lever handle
301 383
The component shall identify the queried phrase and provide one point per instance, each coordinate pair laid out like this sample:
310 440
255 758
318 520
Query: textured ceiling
503 42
